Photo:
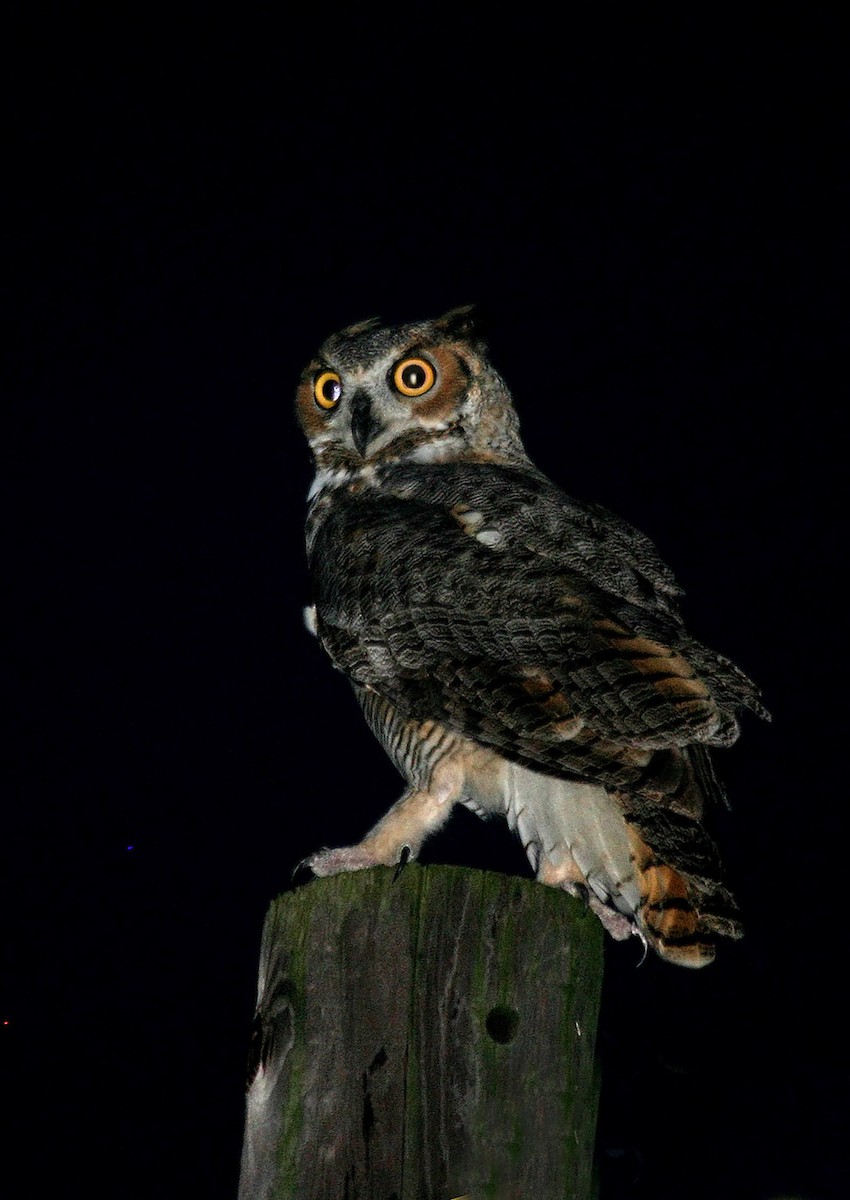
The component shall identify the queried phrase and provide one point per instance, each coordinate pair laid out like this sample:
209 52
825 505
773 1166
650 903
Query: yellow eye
327 389
413 376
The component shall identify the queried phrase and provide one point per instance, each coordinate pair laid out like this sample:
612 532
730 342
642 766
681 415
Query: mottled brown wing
484 598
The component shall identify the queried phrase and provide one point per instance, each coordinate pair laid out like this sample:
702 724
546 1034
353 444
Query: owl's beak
364 427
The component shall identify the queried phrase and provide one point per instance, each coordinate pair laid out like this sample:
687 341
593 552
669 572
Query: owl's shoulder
527 509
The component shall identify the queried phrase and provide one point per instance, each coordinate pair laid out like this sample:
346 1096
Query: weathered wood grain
424 1038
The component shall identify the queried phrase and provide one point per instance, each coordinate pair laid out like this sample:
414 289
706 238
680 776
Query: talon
303 865
403 860
645 945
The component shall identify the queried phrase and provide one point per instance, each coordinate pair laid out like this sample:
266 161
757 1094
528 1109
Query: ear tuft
361 327
461 322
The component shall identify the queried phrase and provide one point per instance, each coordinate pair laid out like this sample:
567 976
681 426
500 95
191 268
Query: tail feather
666 913
646 868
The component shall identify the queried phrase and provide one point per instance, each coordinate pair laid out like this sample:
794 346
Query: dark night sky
648 216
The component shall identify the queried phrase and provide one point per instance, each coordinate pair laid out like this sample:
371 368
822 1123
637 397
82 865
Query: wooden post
424 1038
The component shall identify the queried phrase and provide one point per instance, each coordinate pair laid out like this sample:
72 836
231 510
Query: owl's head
424 392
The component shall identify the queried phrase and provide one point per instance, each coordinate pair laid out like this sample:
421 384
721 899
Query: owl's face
421 391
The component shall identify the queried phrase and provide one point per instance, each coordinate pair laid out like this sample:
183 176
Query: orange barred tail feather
666 913
643 866
681 916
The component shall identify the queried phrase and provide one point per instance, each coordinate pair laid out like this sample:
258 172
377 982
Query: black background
648 211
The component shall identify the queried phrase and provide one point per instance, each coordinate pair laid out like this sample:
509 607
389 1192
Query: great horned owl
514 650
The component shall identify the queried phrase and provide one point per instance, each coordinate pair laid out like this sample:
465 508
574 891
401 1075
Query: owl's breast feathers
483 597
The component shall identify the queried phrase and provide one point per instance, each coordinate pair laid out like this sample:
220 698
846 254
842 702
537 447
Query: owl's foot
399 834
617 924
351 858
568 876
